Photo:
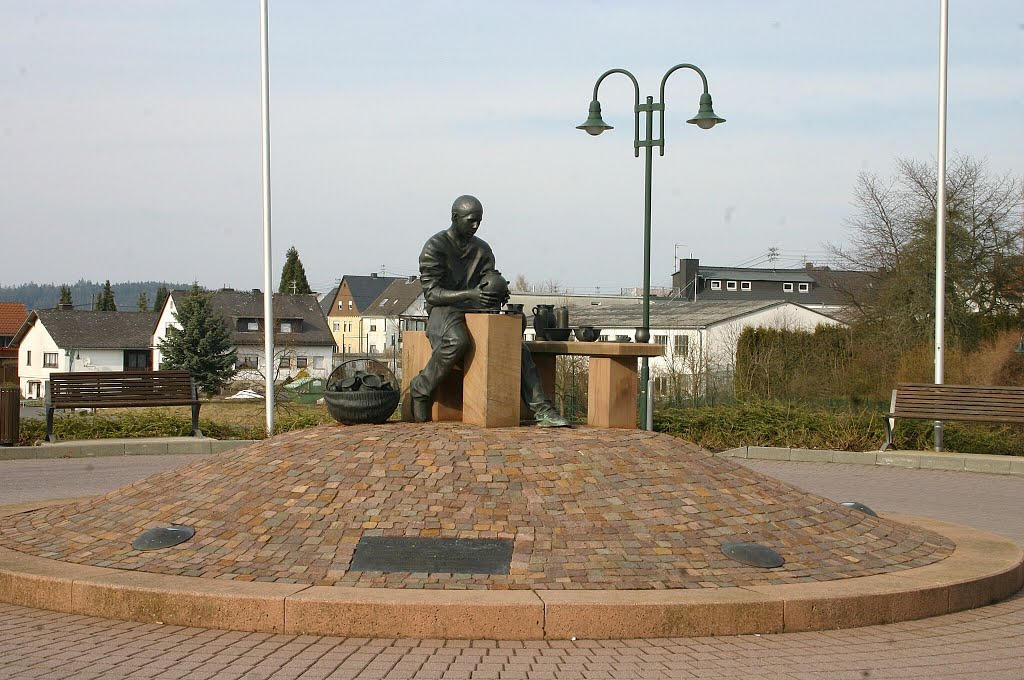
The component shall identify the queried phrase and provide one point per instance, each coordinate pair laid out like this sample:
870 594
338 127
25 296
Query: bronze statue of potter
458 275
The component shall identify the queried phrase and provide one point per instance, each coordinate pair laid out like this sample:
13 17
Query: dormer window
787 288
252 325
744 285
716 285
286 326
730 285
805 287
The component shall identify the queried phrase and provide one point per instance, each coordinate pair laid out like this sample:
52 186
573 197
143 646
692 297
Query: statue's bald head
466 204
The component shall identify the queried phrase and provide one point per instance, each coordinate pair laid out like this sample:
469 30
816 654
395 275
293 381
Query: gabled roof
366 289
396 298
12 315
674 314
234 305
72 329
328 300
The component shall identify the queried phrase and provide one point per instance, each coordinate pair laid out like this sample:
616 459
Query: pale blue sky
129 131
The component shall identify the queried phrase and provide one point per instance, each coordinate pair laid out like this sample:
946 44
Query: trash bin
10 415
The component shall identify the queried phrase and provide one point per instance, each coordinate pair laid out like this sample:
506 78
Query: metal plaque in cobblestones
433 555
163 537
857 505
754 554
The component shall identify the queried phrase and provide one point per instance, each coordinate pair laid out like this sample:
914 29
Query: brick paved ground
587 508
986 644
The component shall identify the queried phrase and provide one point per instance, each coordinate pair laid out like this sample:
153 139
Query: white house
383 318
65 340
699 337
302 339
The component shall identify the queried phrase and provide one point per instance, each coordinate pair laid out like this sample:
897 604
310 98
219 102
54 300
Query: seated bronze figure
458 273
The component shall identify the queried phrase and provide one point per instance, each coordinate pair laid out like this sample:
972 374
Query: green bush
157 423
774 423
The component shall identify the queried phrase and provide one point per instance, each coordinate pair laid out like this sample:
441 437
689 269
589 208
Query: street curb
923 460
983 569
149 446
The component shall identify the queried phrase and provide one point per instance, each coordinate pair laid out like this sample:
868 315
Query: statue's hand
487 298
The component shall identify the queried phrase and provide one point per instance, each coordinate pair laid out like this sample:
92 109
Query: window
730 285
49 360
373 327
805 287
337 326
682 347
341 306
137 360
350 305
373 349
384 302
284 362
252 326
744 285
660 339
301 362
247 361
28 358
286 326
716 285
787 288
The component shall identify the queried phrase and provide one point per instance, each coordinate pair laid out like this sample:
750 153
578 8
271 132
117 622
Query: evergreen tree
202 344
293 275
161 297
142 304
106 301
65 295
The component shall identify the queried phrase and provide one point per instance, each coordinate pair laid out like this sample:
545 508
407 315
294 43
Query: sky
130 130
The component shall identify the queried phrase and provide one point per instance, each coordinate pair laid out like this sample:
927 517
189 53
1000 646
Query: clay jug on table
543 319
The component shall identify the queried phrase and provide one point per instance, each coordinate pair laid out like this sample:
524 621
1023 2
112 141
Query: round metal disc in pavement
163 537
753 554
857 505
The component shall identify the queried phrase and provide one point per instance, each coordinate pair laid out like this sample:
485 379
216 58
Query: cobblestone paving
587 508
983 644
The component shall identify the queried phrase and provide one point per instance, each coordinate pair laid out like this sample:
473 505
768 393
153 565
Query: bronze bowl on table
559 334
587 333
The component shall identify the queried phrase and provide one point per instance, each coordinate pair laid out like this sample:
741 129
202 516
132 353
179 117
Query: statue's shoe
551 419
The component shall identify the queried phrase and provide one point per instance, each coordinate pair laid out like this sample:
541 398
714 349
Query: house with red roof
12 316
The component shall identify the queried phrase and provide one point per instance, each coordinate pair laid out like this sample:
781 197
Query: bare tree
892 236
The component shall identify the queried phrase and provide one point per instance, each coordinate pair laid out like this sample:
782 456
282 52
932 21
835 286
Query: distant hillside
46 295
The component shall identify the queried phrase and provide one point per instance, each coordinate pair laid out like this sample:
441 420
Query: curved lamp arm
636 103
661 99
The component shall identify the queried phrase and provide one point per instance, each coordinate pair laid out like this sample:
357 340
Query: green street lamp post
706 118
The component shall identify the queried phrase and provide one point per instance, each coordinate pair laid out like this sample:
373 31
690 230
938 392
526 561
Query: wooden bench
979 403
120 389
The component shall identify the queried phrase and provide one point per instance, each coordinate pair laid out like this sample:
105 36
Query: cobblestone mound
588 508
